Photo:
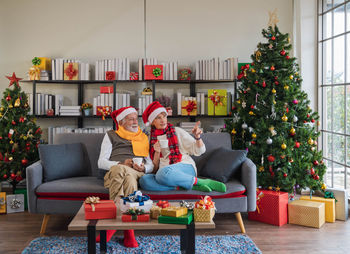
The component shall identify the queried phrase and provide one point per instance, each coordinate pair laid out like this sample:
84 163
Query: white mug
137 161
163 143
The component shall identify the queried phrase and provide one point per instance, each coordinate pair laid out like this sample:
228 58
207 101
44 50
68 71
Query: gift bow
191 105
136 197
105 111
34 73
157 72
134 75
92 201
15 203
70 71
134 212
36 61
205 203
163 204
329 194
216 99
259 197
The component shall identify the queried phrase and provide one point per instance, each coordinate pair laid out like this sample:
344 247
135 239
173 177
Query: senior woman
173 166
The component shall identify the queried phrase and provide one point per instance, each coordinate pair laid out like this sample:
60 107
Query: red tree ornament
13 122
256 82
273 38
287 57
271 158
297 144
21 119
282 52
285 175
24 162
315 163
8 98
4 176
272 68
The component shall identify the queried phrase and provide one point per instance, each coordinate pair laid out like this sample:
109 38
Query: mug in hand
163 143
137 161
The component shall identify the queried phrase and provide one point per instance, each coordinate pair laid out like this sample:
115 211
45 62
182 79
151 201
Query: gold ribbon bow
92 200
259 196
34 73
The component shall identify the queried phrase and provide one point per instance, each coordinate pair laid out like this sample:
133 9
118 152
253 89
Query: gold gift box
155 211
203 214
329 206
306 213
2 202
45 63
174 211
184 111
75 68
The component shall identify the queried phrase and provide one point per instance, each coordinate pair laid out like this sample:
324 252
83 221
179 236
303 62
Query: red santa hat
119 114
152 111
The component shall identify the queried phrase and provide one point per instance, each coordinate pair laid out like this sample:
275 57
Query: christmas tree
19 134
272 119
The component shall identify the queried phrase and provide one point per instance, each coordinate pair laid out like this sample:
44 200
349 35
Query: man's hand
156 147
139 168
196 131
128 162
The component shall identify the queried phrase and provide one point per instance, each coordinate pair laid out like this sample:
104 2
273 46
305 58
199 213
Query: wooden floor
18 229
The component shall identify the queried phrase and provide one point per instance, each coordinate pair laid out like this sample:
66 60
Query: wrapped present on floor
217 102
99 209
189 107
173 211
136 200
106 89
329 206
24 192
183 219
271 207
341 203
135 215
153 72
204 210
15 203
71 71
163 203
2 202
155 211
306 213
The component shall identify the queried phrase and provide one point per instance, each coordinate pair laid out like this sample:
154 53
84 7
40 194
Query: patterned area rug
147 244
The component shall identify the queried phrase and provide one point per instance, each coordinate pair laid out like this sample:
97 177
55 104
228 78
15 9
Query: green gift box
24 192
184 219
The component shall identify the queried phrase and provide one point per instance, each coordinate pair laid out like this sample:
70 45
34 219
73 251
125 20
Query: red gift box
149 69
110 75
135 218
272 207
134 76
105 209
106 89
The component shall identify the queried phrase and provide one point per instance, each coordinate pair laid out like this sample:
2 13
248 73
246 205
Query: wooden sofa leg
240 222
43 224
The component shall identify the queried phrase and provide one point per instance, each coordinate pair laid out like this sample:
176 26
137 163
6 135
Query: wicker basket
204 215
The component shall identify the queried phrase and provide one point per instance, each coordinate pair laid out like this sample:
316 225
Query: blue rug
147 244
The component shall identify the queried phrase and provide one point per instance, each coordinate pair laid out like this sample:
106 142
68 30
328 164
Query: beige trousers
121 180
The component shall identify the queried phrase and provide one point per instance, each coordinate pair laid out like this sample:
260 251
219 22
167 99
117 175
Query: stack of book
58 69
215 69
69 110
45 75
121 66
143 102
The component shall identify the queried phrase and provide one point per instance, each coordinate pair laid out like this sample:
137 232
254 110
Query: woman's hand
196 131
156 147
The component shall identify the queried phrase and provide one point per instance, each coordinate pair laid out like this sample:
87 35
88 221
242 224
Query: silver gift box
15 203
341 206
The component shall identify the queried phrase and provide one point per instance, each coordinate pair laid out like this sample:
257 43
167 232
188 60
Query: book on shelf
215 69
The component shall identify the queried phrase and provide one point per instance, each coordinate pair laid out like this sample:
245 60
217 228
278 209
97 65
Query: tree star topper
273 20
13 79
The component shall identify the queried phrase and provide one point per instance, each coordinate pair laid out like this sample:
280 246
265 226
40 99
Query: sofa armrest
249 181
34 178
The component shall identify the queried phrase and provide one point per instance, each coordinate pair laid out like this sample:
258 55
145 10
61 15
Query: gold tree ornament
257 55
273 20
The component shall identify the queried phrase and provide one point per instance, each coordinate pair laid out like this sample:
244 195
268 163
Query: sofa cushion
222 163
73 188
62 161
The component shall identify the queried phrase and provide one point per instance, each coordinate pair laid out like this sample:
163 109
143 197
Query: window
334 85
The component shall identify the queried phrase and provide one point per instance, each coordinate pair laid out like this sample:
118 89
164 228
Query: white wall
179 30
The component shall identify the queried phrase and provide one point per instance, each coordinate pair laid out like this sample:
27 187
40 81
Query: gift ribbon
15 203
36 61
136 197
259 197
110 75
134 213
70 71
189 206
134 75
191 105
92 201
205 203
216 99
157 72
329 194
105 111
163 204
34 73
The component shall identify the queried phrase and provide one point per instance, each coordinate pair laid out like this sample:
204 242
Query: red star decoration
13 79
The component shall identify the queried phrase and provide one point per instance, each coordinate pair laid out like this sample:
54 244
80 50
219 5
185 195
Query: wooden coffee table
187 232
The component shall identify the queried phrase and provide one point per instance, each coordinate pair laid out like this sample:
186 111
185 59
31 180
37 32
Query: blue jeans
169 177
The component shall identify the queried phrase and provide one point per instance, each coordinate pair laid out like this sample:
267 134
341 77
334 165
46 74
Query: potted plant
166 102
86 107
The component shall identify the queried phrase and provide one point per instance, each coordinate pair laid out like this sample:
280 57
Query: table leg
91 232
103 241
188 239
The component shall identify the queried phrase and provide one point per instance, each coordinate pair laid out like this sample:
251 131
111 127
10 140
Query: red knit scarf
175 155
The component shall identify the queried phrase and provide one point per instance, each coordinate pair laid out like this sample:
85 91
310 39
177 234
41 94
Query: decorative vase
87 112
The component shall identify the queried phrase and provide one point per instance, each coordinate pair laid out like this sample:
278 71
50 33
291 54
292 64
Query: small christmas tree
19 135
273 120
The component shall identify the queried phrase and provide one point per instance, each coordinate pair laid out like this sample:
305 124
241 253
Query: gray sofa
65 196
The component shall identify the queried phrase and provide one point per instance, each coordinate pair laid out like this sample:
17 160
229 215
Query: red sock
109 234
195 181
129 239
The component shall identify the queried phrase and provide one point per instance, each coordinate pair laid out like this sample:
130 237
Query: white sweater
187 147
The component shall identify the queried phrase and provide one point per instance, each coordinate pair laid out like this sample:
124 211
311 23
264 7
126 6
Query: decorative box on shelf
217 102
111 75
45 63
329 206
153 72
71 71
189 107
306 213
106 89
136 201
99 209
271 207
